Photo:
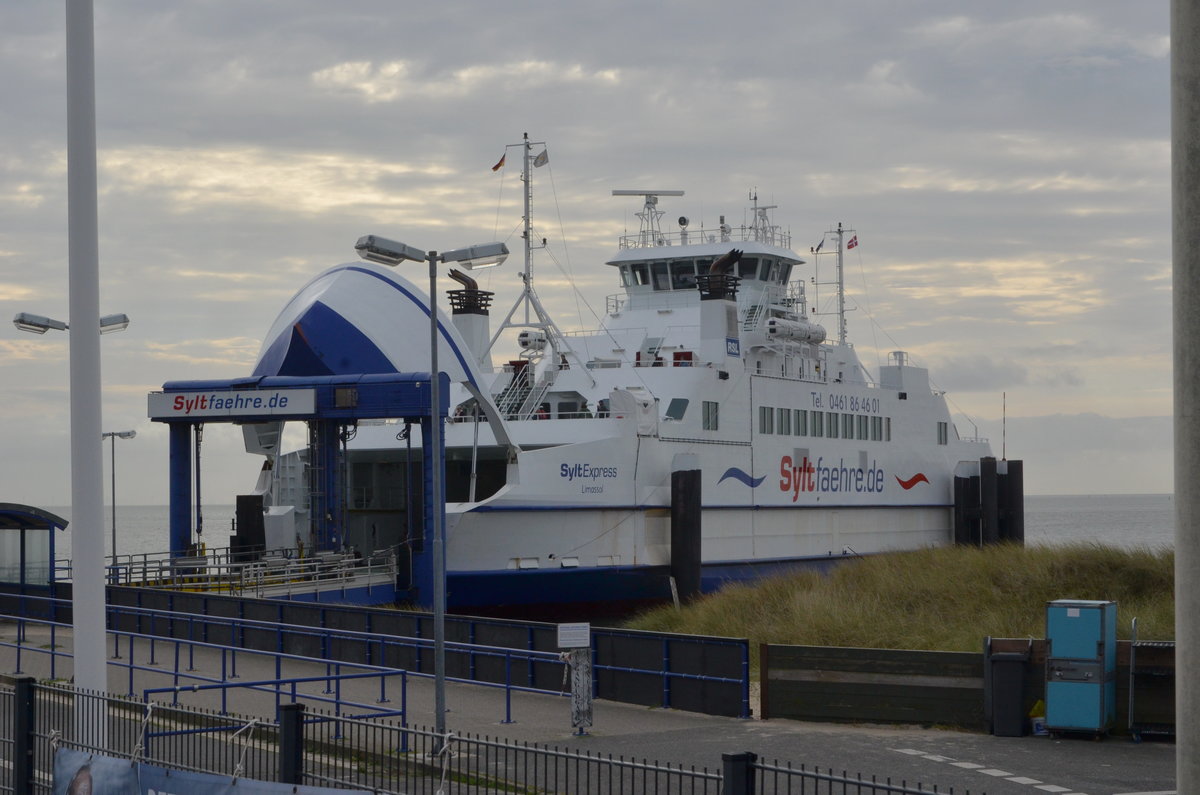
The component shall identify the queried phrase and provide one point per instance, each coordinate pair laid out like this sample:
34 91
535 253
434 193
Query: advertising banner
81 773
239 403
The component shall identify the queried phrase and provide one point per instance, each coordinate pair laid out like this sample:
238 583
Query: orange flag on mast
500 165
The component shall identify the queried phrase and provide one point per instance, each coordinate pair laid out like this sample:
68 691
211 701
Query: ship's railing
769 235
228 571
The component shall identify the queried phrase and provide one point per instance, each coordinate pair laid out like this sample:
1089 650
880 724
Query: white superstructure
559 460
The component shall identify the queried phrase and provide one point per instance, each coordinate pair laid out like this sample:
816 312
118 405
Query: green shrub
946 598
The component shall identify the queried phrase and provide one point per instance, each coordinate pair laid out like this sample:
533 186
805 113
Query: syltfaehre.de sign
248 403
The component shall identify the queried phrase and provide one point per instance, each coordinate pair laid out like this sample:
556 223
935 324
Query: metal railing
717 670
273 573
378 756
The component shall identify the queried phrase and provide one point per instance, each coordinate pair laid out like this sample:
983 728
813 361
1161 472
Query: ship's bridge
669 268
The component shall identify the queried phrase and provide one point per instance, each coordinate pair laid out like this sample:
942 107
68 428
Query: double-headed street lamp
114 435
87 489
389 252
36 324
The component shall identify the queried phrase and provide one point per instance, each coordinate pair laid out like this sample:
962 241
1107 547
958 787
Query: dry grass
948 598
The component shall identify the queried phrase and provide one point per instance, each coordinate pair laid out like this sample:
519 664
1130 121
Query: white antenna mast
839 282
528 298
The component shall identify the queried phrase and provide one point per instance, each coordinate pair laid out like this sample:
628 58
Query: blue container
1081 665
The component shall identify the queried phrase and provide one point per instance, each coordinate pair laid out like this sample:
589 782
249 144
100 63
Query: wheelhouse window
662 280
639 274
767 271
748 267
683 275
785 272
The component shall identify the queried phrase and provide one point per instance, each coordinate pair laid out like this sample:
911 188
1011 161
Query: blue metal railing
154 627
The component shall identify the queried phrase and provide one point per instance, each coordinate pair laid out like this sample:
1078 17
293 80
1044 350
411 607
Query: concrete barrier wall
872 685
941 688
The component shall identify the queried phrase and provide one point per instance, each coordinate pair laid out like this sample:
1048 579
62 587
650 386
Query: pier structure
331 406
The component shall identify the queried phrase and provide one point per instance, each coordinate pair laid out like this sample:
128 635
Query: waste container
1007 674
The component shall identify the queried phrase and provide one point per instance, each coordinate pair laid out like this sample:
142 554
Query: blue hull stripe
823 507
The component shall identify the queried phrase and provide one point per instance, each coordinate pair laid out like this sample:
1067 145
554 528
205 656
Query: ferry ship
560 459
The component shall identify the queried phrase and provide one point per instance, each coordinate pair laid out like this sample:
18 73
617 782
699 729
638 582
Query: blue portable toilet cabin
1081 665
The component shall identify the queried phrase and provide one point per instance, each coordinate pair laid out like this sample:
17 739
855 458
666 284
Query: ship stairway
534 398
513 396
753 313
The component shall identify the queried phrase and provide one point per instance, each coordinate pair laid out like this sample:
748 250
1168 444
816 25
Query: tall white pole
1185 242
87 450
438 506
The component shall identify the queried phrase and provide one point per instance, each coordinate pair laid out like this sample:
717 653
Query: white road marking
909 751
1160 792
1054 788
1024 780
966 765
936 758
991 771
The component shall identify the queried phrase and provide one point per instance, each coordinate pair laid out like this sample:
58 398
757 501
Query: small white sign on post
575 636
578 639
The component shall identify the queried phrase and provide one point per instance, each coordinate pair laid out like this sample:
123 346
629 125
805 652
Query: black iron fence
358 755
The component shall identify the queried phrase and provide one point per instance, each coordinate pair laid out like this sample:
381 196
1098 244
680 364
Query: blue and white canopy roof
360 318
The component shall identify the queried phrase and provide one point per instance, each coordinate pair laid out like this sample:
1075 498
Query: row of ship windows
830 424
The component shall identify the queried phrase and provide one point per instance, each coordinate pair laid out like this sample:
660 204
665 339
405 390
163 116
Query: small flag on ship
817 250
542 159
853 242
500 164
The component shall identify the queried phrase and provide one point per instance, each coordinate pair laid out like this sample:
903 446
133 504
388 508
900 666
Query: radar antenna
650 234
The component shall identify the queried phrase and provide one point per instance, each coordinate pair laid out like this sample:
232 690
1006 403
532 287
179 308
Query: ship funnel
719 335
469 308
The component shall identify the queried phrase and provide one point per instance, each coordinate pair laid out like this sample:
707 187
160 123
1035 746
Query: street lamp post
114 435
486 255
87 498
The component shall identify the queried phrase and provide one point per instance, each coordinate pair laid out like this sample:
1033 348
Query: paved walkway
963 760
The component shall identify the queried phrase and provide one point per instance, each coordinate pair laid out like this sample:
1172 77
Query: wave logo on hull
739 475
914 480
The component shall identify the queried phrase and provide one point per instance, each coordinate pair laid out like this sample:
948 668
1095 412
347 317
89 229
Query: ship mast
841 286
536 316
840 280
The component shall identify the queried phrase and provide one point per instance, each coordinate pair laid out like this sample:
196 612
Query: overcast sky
1005 165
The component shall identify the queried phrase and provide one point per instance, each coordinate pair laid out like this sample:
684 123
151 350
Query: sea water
1120 520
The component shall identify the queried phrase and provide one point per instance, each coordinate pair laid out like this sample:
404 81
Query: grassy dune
948 598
